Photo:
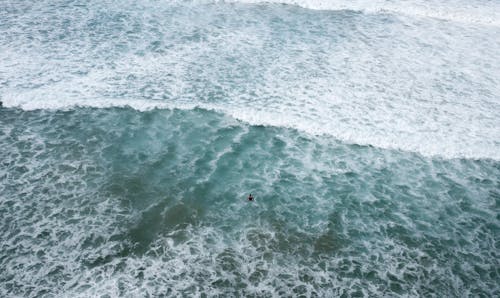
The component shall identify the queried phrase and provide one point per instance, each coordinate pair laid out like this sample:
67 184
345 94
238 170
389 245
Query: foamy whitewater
131 133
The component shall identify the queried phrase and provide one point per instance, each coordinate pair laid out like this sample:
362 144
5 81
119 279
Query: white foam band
473 12
432 144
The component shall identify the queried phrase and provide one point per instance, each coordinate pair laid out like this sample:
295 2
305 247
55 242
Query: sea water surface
132 132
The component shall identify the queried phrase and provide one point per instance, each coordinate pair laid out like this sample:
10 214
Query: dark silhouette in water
250 197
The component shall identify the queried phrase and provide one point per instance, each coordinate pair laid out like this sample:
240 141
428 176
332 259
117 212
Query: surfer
250 197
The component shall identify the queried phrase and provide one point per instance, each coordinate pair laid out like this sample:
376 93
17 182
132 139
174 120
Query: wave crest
475 12
431 144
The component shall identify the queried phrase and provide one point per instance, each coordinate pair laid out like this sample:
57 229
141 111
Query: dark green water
117 201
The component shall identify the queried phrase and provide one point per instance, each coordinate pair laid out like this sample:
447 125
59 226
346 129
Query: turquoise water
131 134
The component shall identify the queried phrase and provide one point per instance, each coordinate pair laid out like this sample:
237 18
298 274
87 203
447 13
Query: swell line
255 117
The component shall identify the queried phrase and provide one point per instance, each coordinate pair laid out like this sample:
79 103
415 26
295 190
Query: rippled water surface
131 133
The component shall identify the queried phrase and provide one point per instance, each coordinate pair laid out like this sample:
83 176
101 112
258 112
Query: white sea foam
420 86
431 143
479 12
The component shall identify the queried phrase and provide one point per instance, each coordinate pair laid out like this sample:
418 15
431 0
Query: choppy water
132 131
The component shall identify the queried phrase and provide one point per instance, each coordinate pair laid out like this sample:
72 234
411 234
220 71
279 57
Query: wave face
131 133
420 85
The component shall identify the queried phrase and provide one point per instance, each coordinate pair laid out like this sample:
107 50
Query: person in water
250 197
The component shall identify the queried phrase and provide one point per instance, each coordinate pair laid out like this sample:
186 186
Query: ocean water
132 132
